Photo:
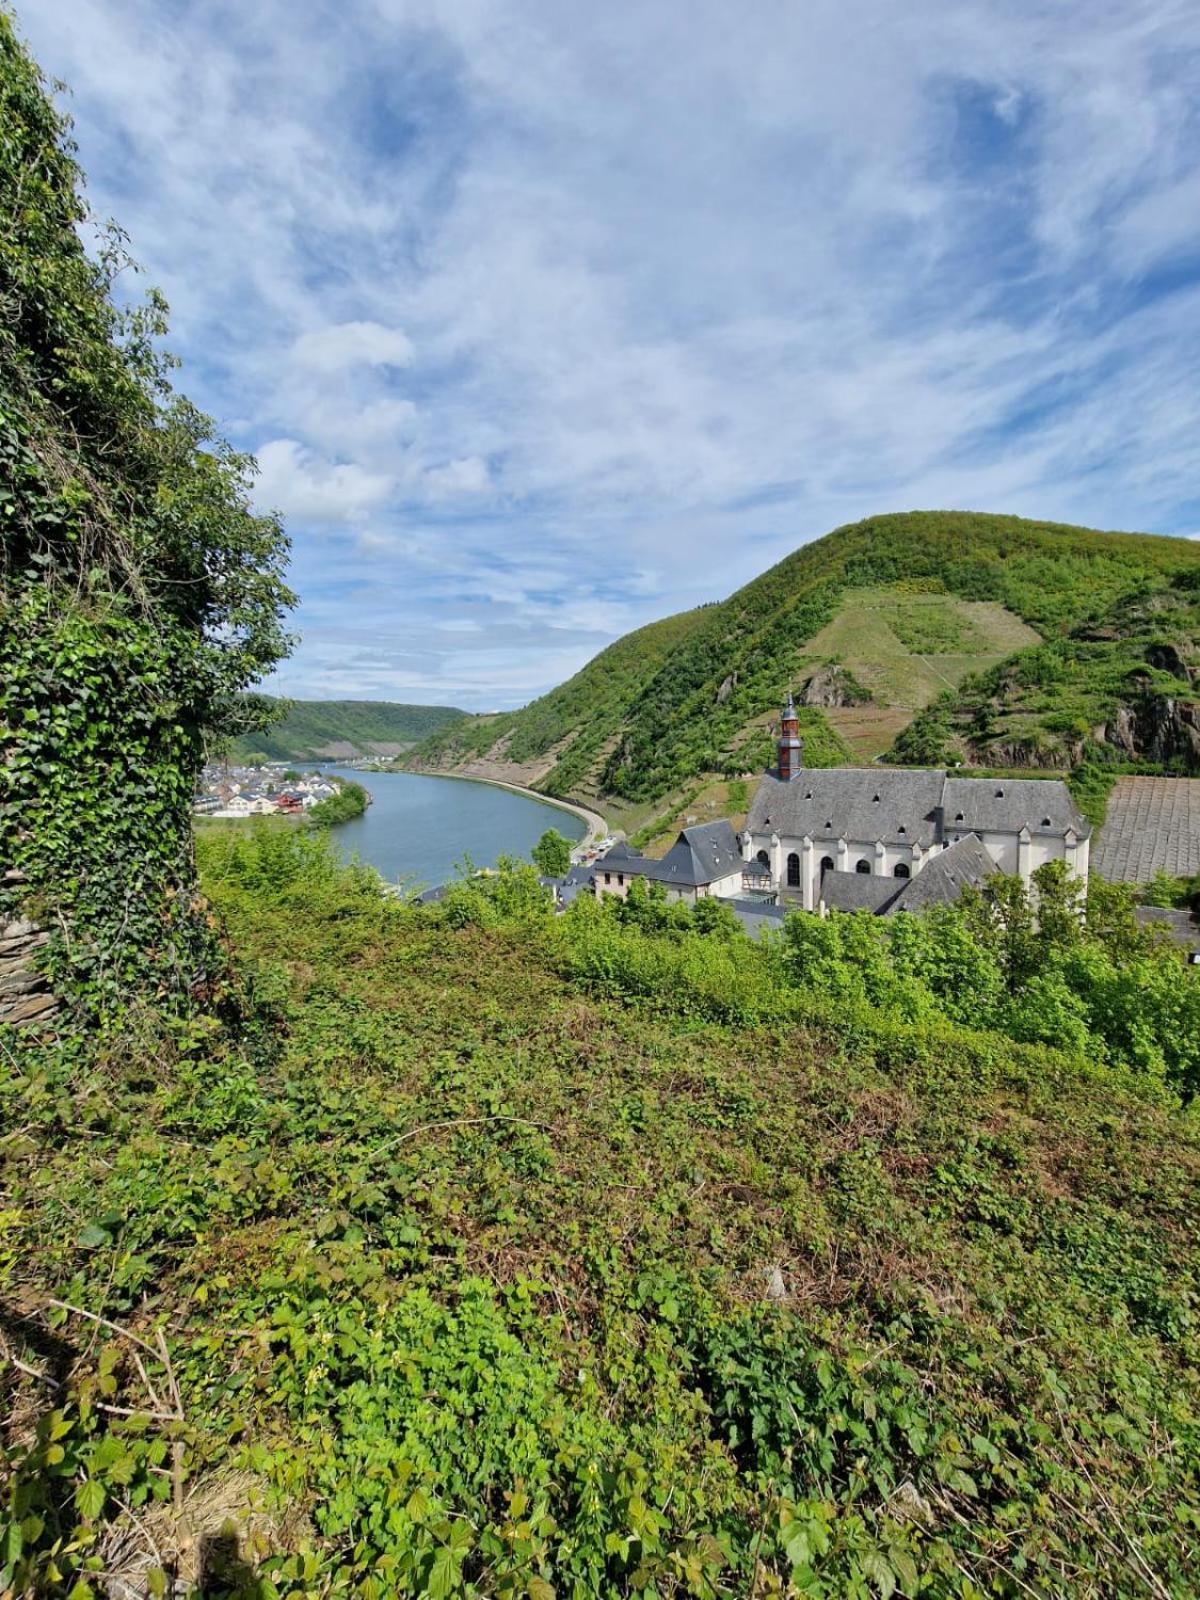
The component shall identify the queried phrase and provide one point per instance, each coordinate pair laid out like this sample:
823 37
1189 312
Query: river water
419 829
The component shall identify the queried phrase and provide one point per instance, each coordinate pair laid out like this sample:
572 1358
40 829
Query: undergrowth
479 1276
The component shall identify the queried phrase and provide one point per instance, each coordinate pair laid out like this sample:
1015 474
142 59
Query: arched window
863 866
902 870
764 858
826 865
793 871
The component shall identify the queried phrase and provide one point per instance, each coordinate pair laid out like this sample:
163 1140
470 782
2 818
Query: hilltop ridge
923 636
337 729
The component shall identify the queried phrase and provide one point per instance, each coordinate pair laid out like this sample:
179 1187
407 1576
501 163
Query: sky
544 320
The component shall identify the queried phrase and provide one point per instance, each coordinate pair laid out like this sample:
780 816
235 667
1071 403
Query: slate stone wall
25 996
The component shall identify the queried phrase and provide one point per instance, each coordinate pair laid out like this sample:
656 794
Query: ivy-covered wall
140 595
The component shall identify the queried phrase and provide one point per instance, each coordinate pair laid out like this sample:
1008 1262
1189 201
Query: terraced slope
1080 638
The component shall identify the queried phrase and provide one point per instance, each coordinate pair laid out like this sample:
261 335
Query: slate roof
858 891
841 802
621 851
1181 926
1151 825
756 915
908 805
942 879
940 882
1004 805
699 856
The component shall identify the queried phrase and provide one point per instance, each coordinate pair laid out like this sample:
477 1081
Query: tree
140 595
552 854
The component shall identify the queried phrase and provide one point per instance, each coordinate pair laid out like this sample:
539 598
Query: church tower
791 745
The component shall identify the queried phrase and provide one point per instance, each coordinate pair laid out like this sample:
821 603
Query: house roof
621 851
756 915
898 805
941 880
700 855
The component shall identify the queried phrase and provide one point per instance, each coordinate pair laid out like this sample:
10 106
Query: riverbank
597 827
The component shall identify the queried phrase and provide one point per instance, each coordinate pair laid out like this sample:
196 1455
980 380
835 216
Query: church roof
858 891
941 880
1043 805
896 804
900 805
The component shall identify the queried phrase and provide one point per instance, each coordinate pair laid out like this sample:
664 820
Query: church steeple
791 745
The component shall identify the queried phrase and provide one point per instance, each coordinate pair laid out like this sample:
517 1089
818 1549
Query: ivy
140 596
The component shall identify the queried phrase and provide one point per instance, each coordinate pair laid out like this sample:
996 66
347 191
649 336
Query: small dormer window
999 794
958 816
1045 822
808 794
902 829
875 799
829 822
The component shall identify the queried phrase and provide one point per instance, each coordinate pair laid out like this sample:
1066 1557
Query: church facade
811 829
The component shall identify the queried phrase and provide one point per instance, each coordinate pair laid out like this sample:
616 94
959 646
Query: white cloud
526 298
466 476
300 484
349 344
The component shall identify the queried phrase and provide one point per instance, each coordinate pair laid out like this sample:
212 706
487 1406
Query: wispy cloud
545 320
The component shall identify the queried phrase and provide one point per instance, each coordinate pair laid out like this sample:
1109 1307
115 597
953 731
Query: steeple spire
791 746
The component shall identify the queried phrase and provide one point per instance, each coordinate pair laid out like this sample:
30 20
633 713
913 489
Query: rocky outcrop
25 996
728 685
831 686
1166 658
1156 728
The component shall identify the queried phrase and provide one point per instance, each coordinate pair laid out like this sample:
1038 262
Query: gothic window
903 870
764 858
863 866
826 865
793 871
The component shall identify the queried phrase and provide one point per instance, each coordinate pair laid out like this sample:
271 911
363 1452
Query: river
419 829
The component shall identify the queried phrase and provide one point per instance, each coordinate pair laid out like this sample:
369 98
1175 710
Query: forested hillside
308 728
1050 643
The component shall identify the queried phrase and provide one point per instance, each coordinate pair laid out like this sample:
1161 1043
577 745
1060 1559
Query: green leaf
443 1574
880 1574
90 1497
93 1236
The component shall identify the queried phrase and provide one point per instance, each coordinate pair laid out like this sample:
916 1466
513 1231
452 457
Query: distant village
277 789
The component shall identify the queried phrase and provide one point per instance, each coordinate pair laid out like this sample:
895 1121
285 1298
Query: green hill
998 639
343 728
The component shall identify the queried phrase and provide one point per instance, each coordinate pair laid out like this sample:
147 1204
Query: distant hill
343 728
927 635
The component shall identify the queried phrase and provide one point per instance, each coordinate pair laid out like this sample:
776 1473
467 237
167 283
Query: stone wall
25 996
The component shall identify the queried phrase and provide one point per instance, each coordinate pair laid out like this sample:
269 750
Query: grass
908 648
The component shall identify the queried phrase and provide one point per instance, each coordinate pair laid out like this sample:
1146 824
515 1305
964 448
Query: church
860 838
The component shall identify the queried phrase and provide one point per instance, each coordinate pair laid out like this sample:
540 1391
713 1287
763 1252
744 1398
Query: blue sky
547 319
